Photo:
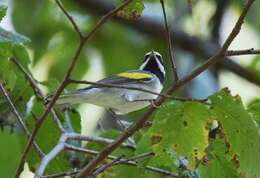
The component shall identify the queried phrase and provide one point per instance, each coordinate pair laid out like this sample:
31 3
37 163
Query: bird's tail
67 99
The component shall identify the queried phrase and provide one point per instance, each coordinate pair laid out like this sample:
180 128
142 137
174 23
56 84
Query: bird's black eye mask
152 57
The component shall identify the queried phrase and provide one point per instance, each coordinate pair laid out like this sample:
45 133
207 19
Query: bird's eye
146 56
158 56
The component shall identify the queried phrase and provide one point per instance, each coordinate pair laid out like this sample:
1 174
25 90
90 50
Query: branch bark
62 145
155 29
242 52
133 88
64 83
169 44
38 92
217 18
88 169
130 161
20 120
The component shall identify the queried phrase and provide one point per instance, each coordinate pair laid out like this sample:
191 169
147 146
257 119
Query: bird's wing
129 77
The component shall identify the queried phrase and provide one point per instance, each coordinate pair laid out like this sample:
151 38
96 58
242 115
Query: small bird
150 76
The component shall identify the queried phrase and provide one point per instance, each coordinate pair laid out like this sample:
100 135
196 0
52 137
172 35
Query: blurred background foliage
47 42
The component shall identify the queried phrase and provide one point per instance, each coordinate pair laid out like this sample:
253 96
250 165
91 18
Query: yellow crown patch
134 75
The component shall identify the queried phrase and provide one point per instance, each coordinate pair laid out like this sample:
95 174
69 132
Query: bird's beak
152 53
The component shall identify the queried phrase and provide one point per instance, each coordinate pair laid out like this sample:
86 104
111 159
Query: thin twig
61 145
169 44
75 136
131 161
105 18
108 85
217 18
75 26
38 92
242 52
87 170
220 54
63 85
20 120
189 43
85 150
50 156
62 174
104 167
141 156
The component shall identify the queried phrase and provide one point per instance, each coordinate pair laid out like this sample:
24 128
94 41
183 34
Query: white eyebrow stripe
156 53
161 67
144 64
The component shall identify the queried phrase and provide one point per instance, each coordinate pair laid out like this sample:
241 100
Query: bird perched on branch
150 76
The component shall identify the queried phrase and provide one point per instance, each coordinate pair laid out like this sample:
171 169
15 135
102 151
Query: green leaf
3 10
11 80
12 45
72 121
21 54
12 37
46 138
52 84
16 85
254 109
180 127
240 132
10 154
126 171
133 10
254 66
218 166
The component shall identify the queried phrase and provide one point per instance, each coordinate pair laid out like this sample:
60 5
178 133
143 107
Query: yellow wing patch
134 75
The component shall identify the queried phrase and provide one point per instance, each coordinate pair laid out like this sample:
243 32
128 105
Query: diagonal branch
217 18
169 44
104 167
155 29
38 92
108 85
75 26
132 161
242 52
64 83
20 120
62 145
88 169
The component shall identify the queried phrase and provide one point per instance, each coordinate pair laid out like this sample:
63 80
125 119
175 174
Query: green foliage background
180 129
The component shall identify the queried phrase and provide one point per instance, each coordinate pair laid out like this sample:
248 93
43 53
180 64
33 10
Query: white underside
121 101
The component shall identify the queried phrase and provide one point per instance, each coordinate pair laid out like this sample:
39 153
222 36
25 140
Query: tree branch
169 44
216 19
131 161
63 85
88 169
134 88
38 92
242 52
51 155
20 120
62 145
155 29
75 26
74 136
104 167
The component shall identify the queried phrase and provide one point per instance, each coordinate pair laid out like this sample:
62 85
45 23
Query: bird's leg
151 101
121 125
114 116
